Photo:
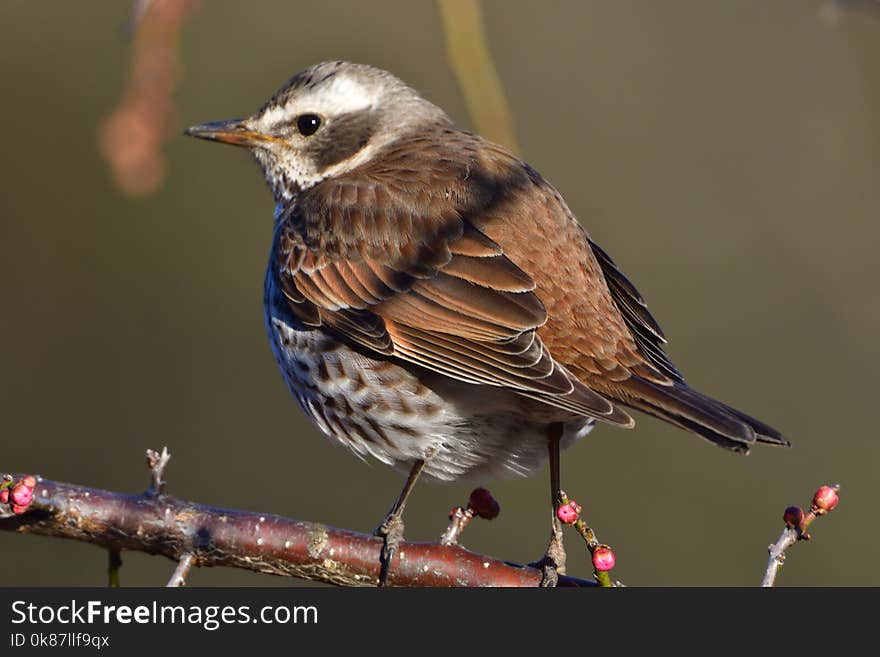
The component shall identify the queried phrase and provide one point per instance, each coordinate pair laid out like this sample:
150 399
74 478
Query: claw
550 576
391 528
391 531
552 564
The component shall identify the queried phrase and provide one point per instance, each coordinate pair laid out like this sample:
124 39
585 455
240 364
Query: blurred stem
468 53
114 563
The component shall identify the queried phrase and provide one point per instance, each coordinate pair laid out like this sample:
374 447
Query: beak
233 131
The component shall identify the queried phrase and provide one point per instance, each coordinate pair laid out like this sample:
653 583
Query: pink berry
21 495
569 513
483 504
603 558
793 517
826 499
18 509
4 496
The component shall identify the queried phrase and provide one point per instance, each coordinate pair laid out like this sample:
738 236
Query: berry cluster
18 494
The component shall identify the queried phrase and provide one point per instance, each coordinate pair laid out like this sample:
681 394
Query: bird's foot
391 532
552 564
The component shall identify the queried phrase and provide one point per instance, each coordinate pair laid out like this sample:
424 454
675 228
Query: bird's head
324 122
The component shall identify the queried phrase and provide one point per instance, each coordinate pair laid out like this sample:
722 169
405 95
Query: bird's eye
308 124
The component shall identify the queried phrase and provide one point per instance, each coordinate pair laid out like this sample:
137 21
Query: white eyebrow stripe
347 95
339 95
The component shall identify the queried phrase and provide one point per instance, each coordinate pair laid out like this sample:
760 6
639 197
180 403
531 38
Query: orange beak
232 131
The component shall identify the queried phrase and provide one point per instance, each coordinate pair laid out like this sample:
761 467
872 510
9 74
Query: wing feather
400 269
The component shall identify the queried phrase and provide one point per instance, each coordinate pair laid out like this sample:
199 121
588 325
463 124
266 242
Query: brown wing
450 253
397 267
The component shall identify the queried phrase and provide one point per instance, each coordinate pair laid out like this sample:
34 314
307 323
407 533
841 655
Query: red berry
826 499
21 495
569 513
483 504
18 509
603 558
4 496
793 517
30 482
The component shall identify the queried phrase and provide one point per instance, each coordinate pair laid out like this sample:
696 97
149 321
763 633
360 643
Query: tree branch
194 534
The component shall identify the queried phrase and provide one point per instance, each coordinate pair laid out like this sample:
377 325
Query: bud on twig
825 499
480 504
483 505
603 559
794 517
569 513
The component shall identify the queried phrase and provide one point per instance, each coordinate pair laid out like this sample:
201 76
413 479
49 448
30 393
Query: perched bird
433 303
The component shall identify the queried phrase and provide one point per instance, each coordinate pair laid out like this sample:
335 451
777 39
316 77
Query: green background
726 154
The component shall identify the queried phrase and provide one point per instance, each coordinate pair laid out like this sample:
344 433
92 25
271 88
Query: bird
433 303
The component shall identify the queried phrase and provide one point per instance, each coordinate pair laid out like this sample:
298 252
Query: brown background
725 154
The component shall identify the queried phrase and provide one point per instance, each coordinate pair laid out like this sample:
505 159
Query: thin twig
791 535
481 504
156 462
603 577
178 577
458 520
114 563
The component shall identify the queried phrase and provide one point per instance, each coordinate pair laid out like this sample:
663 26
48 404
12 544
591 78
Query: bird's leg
391 528
553 563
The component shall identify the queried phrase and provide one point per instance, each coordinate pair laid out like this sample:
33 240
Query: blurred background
727 155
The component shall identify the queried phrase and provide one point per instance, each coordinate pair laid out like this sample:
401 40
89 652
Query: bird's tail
709 418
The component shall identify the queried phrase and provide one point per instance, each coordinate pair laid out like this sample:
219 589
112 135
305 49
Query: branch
796 523
193 534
